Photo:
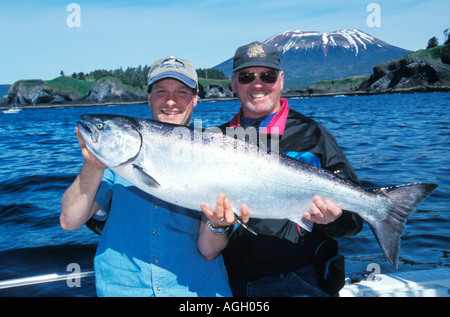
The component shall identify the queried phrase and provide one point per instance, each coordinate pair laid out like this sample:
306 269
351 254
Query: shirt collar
276 124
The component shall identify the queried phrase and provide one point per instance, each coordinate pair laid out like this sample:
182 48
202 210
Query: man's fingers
220 210
229 214
208 212
316 207
245 215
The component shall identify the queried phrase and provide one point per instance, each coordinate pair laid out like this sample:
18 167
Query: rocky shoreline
286 94
418 72
314 93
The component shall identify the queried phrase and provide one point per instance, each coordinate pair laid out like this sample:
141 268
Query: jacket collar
275 126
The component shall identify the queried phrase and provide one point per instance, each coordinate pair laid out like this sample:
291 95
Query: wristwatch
217 230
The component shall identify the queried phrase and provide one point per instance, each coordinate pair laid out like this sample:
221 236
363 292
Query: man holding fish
147 247
288 252
278 261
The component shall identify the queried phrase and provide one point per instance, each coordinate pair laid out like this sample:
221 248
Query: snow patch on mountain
351 39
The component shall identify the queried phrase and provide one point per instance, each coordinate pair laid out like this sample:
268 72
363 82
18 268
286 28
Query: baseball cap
256 54
173 67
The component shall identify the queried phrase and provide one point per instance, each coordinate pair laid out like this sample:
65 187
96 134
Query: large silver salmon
186 166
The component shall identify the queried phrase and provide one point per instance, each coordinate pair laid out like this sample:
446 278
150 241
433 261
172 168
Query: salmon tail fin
404 199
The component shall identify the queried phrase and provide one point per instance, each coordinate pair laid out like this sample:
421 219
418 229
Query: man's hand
323 211
89 158
224 215
210 244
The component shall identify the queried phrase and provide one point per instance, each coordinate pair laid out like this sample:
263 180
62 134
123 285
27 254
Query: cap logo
172 62
256 50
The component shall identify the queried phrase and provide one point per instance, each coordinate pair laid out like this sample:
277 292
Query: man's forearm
210 244
78 200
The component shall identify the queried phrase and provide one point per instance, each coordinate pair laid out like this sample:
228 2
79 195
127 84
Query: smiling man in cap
259 96
279 260
147 246
173 90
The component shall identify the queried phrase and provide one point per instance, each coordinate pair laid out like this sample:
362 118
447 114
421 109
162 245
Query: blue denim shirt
147 250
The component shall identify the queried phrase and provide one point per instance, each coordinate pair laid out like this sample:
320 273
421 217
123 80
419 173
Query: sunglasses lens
246 77
268 77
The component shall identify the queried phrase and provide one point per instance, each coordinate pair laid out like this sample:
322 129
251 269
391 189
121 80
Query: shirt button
158 288
154 233
156 205
156 260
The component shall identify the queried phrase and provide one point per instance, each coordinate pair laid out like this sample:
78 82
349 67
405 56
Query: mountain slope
308 57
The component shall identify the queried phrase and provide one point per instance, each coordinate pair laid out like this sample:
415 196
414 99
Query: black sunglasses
247 77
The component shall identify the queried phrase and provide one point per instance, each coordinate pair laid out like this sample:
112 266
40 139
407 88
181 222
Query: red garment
275 126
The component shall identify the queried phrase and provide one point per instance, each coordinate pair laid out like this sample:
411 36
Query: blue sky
38 43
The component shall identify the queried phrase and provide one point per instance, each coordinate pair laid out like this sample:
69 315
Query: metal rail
46 278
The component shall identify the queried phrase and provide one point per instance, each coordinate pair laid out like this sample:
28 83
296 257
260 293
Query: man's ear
233 88
282 79
195 99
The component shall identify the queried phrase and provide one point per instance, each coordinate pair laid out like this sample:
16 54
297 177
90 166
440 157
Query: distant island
421 71
100 87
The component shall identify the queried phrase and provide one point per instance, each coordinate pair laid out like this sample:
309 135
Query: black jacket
281 246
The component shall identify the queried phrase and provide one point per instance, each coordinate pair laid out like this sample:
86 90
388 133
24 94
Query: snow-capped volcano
351 39
310 56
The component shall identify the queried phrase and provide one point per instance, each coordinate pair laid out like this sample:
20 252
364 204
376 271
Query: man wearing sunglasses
279 260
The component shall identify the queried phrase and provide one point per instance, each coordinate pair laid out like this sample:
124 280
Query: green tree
132 76
210 73
433 42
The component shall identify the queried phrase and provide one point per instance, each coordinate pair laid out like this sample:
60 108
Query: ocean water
389 139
